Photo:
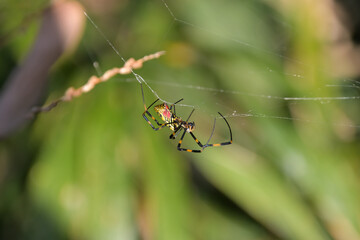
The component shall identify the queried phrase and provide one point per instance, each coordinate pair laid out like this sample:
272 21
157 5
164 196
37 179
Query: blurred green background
92 168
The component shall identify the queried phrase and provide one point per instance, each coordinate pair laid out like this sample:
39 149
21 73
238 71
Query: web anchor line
246 44
146 58
260 115
141 80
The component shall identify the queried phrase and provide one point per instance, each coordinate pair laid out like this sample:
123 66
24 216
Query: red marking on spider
167 113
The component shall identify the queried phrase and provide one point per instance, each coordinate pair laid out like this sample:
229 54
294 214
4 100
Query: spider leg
173 105
153 118
149 114
147 120
192 135
186 149
143 98
207 143
223 143
175 133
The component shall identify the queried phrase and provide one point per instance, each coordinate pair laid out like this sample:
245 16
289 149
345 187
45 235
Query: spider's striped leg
148 113
186 149
193 136
153 118
219 144
147 120
143 98
207 144
173 105
231 138
175 133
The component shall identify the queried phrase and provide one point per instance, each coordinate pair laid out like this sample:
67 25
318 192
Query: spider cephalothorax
189 126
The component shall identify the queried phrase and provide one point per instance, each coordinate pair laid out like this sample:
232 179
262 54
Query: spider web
190 21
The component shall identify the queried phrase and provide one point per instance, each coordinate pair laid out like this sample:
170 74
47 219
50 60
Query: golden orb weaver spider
176 124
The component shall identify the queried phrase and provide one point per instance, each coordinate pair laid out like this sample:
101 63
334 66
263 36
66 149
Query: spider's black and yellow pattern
176 124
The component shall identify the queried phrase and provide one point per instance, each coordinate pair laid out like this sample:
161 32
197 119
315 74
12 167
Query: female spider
176 124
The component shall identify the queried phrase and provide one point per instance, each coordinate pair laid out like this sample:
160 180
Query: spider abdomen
167 116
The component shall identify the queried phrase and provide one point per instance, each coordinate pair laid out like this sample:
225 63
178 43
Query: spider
176 124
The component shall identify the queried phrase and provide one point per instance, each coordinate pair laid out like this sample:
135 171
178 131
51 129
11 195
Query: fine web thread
352 83
141 79
347 82
249 114
137 76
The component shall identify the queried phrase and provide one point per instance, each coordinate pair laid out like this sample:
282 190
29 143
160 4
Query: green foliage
92 168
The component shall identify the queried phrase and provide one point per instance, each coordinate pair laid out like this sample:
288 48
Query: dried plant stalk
71 92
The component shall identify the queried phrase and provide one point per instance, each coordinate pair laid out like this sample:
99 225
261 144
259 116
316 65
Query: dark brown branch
61 29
